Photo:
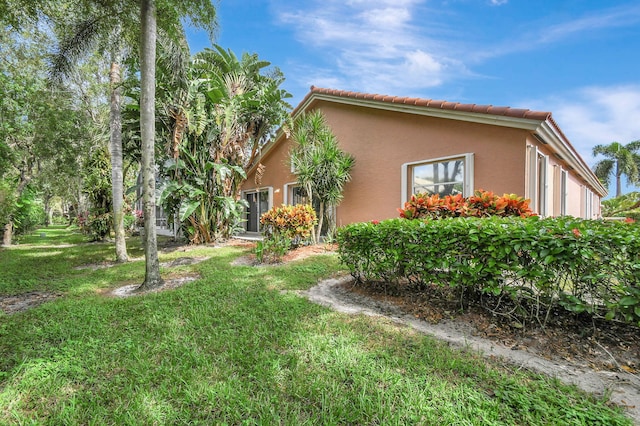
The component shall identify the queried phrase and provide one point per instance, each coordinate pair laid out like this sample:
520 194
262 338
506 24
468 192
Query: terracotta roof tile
432 103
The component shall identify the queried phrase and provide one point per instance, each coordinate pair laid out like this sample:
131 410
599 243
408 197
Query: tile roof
546 125
437 104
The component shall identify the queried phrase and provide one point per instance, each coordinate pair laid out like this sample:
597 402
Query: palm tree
152 276
620 160
201 13
321 166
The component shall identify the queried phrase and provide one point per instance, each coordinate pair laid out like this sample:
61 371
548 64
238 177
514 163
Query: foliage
213 129
97 181
273 248
481 204
320 166
28 212
98 227
7 201
236 346
538 264
619 160
197 196
283 228
41 127
627 205
98 221
293 222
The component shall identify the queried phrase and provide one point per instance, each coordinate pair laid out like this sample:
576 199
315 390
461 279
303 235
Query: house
407 145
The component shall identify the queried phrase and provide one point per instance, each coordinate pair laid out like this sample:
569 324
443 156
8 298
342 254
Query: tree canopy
619 160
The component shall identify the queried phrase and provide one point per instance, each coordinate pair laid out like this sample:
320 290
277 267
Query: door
258 203
252 211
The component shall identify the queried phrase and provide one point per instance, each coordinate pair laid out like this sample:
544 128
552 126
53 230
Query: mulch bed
598 344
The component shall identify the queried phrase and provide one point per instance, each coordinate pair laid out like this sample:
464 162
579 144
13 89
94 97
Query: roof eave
549 132
474 117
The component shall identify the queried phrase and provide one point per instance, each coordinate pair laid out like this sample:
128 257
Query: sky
578 59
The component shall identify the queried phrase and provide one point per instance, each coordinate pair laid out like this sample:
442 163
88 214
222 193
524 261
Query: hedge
584 266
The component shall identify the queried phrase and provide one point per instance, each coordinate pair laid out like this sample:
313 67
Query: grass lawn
236 347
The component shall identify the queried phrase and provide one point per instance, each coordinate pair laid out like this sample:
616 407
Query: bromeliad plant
481 204
283 228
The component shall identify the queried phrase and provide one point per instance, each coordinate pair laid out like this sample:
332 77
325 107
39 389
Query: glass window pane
443 178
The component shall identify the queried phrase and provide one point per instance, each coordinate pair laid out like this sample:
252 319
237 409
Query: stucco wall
381 141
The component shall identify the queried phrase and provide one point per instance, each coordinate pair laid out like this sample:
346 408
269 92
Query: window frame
587 202
538 181
467 174
269 190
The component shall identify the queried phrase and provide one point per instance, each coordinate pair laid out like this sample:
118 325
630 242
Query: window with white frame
538 185
564 177
443 176
296 194
587 203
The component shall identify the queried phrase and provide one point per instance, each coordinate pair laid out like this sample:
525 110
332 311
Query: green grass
233 348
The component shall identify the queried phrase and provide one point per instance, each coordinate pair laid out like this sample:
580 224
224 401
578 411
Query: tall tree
103 28
321 166
200 13
152 277
619 160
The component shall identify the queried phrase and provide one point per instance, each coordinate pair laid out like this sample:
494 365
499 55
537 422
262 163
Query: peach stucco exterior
386 138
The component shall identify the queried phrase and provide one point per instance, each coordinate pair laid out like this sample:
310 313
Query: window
443 176
564 176
538 165
296 194
587 203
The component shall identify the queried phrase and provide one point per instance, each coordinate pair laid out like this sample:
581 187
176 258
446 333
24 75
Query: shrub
481 204
538 264
28 212
99 227
283 228
293 222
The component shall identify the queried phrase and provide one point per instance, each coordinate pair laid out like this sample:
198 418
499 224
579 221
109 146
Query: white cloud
604 19
499 2
596 115
544 34
376 46
388 17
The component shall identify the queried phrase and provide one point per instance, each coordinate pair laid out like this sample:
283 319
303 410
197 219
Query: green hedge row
540 264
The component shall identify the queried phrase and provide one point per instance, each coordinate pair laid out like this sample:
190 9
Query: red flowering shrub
481 204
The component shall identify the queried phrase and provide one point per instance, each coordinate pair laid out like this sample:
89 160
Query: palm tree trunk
618 179
117 180
320 221
152 277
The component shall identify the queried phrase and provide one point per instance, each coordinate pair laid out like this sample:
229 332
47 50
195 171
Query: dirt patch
170 283
298 253
184 261
592 360
21 302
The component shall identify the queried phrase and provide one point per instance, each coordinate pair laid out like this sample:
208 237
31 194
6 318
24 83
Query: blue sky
579 59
